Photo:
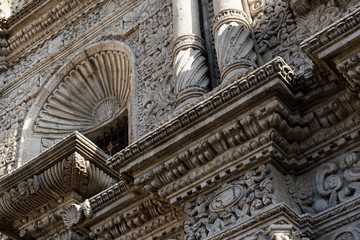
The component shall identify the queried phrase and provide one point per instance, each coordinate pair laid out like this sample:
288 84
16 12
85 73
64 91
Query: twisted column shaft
188 55
233 41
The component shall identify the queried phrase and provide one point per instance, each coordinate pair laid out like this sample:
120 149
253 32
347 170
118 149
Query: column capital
228 16
188 41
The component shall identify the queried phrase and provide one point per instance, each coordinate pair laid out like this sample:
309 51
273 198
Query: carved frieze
230 204
156 82
332 183
279 33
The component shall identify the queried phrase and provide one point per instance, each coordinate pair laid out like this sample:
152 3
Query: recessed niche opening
113 136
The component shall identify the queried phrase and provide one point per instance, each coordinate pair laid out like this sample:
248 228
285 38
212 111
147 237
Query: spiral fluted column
188 55
233 41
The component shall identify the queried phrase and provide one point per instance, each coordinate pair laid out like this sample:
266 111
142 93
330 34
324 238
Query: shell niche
93 92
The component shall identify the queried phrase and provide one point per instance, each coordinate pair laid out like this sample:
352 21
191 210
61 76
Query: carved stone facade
242 118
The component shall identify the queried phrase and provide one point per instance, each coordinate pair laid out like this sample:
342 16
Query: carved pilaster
190 69
233 43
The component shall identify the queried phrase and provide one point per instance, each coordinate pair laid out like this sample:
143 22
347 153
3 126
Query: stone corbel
190 68
233 43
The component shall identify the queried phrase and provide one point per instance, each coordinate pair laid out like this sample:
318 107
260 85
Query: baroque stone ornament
350 68
75 214
270 154
229 205
190 68
95 90
234 44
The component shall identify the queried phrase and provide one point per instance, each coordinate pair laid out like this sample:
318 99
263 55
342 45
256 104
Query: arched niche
93 91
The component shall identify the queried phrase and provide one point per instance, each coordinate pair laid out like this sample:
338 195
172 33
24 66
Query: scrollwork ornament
231 204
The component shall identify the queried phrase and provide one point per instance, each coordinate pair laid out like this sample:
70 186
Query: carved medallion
226 198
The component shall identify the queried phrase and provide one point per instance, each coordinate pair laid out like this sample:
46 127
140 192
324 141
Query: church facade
180 119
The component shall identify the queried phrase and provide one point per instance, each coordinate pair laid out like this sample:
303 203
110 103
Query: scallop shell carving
72 215
94 91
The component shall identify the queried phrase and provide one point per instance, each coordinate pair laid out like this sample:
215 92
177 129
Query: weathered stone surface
243 119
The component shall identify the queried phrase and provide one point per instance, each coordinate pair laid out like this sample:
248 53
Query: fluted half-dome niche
93 91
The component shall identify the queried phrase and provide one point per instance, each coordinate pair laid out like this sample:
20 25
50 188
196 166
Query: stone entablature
272 153
67 174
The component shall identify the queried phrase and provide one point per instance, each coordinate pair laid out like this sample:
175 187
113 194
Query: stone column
233 41
189 62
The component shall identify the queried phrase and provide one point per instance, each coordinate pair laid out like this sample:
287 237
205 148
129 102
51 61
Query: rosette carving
190 68
234 45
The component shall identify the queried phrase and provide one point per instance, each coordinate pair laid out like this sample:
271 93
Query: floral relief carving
279 33
13 109
156 94
229 205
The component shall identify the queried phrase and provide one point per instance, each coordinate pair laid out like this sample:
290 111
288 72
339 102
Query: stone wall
243 119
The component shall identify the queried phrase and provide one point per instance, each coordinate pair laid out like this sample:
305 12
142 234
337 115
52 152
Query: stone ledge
71 170
220 98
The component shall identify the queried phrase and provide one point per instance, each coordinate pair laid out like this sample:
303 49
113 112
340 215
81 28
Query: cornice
75 142
280 212
22 13
218 99
337 216
333 32
74 165
332 45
